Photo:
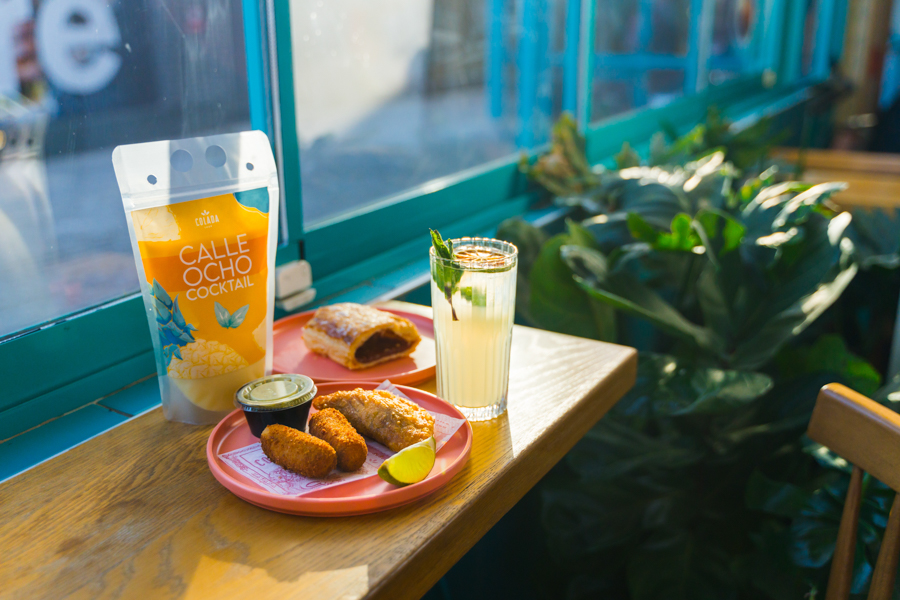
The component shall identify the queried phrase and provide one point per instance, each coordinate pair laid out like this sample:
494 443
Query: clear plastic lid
275 392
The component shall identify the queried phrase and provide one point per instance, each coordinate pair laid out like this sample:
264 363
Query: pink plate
359 497
292 355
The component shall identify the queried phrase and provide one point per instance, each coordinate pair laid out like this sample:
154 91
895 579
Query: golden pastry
359 336
382 416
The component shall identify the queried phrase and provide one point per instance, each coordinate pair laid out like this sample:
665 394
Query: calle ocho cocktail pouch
203 218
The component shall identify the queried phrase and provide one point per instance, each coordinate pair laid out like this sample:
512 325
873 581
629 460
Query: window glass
643 54
736 39
77 78
393 94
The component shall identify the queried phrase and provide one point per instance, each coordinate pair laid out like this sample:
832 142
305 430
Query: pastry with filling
382 416
359 336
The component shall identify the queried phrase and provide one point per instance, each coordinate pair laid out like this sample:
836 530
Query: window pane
643 54
393 94
77 78
736 39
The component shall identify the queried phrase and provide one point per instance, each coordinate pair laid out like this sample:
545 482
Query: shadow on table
512 560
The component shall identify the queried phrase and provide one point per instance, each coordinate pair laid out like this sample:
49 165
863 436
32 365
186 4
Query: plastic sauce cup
283 399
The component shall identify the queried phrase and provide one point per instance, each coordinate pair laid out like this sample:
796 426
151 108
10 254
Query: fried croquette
298 451
330 425
382 416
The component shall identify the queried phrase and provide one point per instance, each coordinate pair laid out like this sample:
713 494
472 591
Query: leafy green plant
700 479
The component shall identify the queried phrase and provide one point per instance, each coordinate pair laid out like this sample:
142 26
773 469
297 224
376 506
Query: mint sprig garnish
446 277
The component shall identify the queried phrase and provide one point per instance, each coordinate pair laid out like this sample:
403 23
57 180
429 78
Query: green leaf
579 235
446 277
642 230
475 295
627 157
556 301
440 247
876 235
807 285
612 449
626 293
829 353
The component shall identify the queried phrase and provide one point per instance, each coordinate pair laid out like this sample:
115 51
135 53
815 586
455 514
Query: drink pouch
202 214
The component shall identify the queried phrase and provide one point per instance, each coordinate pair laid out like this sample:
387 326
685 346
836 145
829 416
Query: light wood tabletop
873 179
136 513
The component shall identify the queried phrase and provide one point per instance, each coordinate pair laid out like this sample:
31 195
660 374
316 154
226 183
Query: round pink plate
292 356
359 497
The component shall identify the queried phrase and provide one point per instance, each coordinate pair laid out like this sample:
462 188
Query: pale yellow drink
473 327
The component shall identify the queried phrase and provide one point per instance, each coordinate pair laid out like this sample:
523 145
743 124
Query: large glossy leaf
558 303
612 449
812 282
624 292
829 353
876 234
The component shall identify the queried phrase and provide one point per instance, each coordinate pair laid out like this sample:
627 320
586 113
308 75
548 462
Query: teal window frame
60 366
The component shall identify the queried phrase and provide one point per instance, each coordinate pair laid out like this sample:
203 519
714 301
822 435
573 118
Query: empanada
359 336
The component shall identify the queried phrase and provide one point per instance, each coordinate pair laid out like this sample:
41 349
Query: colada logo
206 219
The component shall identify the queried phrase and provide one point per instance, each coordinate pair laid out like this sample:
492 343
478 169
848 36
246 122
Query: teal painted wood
135 399
340 243
64 352
292 193
256 66
821 66
792 50
286 254
586 63
36 446
79 392
773 36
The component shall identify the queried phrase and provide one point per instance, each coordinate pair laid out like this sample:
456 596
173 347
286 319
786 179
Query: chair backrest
867 435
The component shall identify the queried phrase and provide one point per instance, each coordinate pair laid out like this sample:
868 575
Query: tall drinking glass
473 297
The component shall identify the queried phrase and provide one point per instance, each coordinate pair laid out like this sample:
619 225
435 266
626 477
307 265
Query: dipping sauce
283 399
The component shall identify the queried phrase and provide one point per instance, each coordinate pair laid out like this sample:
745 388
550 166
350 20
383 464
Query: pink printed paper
252 463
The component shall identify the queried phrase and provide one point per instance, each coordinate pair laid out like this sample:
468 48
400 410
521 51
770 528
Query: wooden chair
867 435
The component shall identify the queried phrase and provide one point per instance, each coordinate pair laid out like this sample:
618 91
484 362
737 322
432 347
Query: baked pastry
359 336
382 416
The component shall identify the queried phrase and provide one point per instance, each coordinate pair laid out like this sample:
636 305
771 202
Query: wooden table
873 178
135 512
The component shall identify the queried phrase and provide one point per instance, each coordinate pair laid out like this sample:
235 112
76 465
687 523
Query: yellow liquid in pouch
206 264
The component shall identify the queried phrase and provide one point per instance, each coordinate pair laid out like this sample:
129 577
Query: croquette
298 451
333 427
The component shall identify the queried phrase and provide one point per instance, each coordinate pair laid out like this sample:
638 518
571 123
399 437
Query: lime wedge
410 465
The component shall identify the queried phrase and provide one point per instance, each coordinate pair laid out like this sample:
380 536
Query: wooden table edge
447 546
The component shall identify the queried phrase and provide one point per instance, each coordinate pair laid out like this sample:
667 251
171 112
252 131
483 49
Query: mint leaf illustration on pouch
445 277
230 320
